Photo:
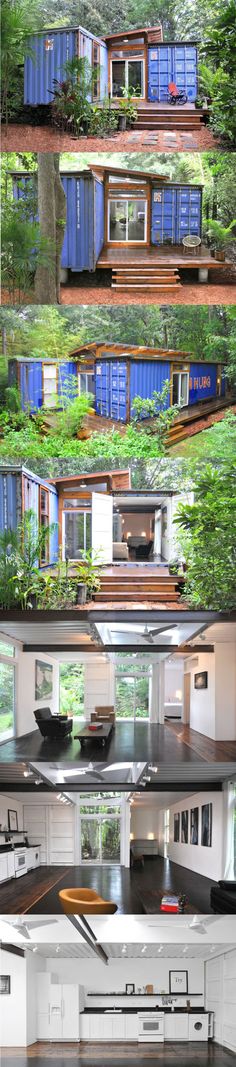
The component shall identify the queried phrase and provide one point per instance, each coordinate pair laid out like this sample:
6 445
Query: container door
184 69
102 389
49 385
159 72
49 53
188 213
118 391
163 228
102 527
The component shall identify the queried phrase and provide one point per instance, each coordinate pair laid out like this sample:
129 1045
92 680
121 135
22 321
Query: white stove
20 857
151 1026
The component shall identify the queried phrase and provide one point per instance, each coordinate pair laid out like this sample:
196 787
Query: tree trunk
52 218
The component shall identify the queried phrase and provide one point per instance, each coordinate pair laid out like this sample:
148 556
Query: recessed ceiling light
35 948
124 949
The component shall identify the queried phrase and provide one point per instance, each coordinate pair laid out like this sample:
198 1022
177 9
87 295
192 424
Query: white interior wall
221 997
13 1024
7 802
144 822
199 858
96 977
202 701
225 691
25 691
99 684
34 964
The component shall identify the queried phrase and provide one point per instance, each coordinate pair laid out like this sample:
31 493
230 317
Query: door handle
62 1009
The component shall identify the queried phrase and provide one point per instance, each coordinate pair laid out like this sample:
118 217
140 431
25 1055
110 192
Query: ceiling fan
147 634
24 925
198 923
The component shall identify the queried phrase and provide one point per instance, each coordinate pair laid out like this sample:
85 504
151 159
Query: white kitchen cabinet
118 1027
3 867
70 1012
131 1027
85 1027
176 1027
10 865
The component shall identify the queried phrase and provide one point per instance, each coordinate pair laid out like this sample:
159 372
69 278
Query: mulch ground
45 139
220 293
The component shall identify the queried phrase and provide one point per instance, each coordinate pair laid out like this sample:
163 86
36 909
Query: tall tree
52 220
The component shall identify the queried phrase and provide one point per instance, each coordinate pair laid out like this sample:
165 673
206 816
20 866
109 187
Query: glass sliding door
76 533
127 221
128 74
90 841
71 694
180 387
132 696
100 829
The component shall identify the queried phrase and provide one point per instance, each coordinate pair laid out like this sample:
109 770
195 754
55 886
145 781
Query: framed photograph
184 827
178 982
12 819
43 679
5 984
201 680
206 834
194 819
129 988
176 826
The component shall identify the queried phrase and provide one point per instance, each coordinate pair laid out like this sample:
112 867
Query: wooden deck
162 256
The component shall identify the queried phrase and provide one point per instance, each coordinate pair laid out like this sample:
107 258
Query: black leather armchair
223 898
52 726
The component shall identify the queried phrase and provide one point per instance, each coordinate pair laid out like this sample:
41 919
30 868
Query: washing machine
198 1027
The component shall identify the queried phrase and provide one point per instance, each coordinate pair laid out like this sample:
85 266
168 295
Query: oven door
20 864
151 1028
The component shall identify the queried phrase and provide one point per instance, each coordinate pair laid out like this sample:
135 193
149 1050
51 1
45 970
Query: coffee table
100 737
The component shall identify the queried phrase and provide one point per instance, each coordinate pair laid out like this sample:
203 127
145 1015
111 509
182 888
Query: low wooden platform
168 256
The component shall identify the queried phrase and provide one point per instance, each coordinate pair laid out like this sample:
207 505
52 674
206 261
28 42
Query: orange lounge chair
85 902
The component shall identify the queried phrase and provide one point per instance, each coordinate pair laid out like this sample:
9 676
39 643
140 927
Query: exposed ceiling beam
83 928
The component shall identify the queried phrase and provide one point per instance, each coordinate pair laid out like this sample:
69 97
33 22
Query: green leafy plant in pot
222 236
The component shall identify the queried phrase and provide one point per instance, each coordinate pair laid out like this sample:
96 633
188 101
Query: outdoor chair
191 243
175 95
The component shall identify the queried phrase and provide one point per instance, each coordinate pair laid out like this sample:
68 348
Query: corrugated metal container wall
31 385
147 377
99 217
86 49
49 54
175 213
67 379
10 500
172 63
78 251
202 381
111 389
31 500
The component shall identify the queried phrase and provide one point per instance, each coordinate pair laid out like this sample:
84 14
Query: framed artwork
176 826
201 680
194 819
129 988
178 982
12 819
5 984
184 827
43 679
206 835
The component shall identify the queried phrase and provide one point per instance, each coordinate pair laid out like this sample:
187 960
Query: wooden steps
141 277
168 118
154 588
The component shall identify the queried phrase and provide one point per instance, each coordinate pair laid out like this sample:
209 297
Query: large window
132 691
50 385
235 831
72 689
76 533
100 829
128 74
7 692
180 384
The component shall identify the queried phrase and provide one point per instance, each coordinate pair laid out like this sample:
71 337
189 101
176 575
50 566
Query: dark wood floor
142 741
136 891
192 1054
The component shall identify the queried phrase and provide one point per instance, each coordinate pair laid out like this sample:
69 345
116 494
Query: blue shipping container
202 381
176 212
172 63
29 375
84 231
48 55
19 493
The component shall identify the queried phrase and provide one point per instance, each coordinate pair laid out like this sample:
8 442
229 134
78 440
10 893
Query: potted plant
222 237
174 566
